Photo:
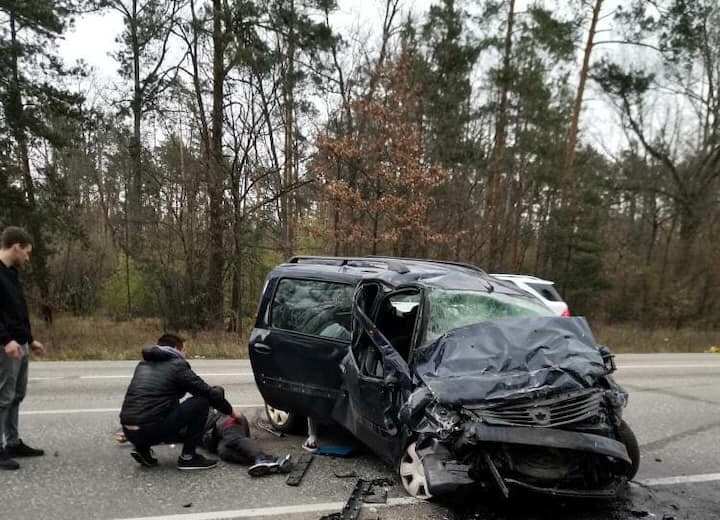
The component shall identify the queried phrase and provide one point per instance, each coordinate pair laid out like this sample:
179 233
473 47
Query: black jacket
14 320
158 384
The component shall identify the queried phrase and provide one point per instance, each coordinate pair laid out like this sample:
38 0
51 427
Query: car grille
547 413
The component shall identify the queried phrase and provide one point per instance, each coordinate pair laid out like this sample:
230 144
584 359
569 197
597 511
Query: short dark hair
171 340
15 235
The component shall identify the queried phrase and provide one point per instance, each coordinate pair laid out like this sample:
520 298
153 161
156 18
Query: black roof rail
392 264
442 262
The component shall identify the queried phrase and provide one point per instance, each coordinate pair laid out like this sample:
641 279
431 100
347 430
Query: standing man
15 341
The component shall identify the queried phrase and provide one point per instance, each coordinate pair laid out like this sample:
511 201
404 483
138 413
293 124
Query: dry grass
73 338
631 338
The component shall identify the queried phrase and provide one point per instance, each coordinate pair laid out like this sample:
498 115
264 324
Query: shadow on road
638 502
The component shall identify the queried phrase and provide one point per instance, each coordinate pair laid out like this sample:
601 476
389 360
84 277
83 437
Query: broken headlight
616 400
445 420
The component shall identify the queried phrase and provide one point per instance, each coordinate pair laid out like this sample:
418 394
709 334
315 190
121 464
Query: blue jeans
13 385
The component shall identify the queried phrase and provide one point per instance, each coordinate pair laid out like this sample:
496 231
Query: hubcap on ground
412 474
278 417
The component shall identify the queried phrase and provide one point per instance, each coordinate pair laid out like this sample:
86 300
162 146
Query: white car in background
542 289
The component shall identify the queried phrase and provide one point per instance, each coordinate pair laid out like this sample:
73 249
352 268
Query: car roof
394 271
522 278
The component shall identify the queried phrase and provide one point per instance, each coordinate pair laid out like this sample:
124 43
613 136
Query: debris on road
362 492
265 425
299 470
345 474
336 450
189 504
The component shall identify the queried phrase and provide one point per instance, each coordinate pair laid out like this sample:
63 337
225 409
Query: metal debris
299 469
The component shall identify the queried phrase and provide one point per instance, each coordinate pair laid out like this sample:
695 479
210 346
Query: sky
92 40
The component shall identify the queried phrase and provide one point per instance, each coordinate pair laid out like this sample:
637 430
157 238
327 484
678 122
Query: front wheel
282 421
412 474
627 437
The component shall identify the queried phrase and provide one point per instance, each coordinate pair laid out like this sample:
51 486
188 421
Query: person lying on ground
229 437
152 413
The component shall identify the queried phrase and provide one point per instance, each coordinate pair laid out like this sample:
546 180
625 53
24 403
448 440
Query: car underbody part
363 490
499 481
299 469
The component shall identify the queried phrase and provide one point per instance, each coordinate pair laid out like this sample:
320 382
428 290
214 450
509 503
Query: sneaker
285 464
23 450
197 461
265 464
6 462
145 457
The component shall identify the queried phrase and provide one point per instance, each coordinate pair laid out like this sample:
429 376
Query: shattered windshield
451 308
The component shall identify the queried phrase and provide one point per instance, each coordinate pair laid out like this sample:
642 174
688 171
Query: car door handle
262 348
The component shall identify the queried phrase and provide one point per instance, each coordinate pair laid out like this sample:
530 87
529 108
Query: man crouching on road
152 413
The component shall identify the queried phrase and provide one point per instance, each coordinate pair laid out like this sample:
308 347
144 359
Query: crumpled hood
511 359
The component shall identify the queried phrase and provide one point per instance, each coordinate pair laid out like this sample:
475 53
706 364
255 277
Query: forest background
242 132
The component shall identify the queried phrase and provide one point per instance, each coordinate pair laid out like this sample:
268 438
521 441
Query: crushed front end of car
519 403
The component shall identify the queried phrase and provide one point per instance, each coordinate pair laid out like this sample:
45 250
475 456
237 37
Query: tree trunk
136 182
494 197
288 199
16 120
215 294
571 141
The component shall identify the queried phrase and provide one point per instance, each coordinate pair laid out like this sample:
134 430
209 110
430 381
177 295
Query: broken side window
396 320
312 307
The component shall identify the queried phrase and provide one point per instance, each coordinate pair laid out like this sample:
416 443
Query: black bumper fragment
475 433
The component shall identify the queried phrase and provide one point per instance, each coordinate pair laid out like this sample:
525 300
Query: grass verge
94 338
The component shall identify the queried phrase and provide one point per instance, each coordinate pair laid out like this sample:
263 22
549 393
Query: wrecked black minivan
452 376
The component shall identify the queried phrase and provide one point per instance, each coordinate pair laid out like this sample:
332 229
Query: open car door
374 375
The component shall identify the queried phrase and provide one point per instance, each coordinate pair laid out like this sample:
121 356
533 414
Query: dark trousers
236 445
185 424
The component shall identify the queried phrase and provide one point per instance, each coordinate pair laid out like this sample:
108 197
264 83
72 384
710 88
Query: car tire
412 474
627 437
282 421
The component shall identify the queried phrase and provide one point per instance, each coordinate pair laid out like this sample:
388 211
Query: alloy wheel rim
278 417
412 474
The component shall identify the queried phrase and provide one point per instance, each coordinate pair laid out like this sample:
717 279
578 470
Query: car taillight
566 313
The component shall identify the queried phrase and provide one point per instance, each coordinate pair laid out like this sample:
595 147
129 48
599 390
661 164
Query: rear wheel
412 474
627 437
282 421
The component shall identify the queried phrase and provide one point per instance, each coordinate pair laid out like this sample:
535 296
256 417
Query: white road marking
276 511
105 410
392 502
685 479
128 376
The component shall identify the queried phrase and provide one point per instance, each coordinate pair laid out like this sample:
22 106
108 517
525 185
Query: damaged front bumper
445 473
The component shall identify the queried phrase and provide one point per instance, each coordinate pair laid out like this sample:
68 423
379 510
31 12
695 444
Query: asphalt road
71 411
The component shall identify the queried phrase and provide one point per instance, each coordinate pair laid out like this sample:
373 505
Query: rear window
312 307
547 291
